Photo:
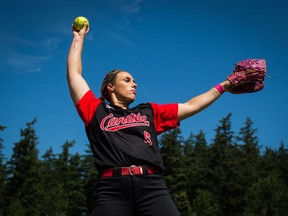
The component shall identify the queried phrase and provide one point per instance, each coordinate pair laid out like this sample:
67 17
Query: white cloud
131 7
127 6
26 63
51 43
22 56
13 39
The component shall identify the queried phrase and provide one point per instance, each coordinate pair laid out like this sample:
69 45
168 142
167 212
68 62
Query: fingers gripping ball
79 23
248 76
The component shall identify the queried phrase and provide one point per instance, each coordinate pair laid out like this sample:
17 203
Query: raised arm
200 102
77 85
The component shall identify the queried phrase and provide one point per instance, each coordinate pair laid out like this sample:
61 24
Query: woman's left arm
200 102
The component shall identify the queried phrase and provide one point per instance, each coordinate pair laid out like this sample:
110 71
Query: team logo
112 123
147 138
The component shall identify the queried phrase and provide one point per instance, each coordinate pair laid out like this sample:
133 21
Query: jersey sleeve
165 117
87 106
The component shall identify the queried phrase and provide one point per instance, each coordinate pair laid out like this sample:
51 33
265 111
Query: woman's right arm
77 85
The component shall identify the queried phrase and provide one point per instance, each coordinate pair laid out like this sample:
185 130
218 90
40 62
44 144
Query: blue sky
174 49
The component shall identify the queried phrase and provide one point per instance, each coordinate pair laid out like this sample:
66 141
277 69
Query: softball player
124 140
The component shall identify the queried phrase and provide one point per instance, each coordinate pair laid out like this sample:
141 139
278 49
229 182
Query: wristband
219 88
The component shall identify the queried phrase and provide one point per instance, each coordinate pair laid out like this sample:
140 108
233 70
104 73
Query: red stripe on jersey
165 117
87 106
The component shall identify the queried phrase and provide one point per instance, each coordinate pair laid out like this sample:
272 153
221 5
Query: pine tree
68 167
189 162
268 196
205 204
24 181
196 158
175 171
249 141
201 161
223 164
269 163
76 187
90 179
55 199
246 163
283 175
2 175
283 162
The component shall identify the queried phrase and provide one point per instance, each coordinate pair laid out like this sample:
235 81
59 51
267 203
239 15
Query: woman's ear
110 87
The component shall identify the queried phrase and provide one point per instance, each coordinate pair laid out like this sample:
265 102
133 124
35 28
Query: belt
132 170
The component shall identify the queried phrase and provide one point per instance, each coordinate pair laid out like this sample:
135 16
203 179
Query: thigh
153 198
160 205
113 210
114 198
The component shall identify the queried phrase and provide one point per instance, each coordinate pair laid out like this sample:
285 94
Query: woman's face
124 88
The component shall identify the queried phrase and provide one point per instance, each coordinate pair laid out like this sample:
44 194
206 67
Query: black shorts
145 195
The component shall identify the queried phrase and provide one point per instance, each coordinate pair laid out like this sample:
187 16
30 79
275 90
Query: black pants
145 195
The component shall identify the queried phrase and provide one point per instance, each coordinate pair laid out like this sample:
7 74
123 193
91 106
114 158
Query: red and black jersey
120 137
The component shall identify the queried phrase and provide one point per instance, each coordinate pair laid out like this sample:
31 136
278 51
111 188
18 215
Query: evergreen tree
175 171
196 158
205 204
223 162
68 167
268 196
283 162
24 180
90 179
55 197
76 187
249 141
283 174
2 175
188 160
269 163
246 163
201 161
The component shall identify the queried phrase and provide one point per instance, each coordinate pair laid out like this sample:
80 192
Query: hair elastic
219 88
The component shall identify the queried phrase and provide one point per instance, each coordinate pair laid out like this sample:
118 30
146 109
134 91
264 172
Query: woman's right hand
82 33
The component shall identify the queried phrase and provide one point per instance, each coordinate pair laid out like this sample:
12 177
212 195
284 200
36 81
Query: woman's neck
120 104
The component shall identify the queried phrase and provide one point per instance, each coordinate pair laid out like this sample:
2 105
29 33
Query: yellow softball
79 23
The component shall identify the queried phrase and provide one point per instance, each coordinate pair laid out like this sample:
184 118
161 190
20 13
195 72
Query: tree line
230 176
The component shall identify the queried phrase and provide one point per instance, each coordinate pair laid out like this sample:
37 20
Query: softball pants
130 195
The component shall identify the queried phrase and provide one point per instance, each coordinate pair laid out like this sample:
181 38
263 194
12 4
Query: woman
124 139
